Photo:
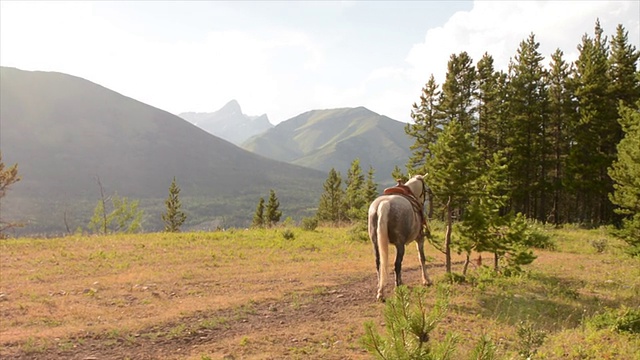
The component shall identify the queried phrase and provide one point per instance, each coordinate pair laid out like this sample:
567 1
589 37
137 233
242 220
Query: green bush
623 319
288 234
309 223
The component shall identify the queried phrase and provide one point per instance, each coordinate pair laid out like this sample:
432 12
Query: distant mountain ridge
325 139
229 122
66 132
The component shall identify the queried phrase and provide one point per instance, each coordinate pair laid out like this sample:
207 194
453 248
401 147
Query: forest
566 133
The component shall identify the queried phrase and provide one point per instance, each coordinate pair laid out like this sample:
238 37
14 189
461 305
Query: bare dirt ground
324 324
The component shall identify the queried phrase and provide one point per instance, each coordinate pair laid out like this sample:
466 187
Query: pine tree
258 216
562 115
174 217
527 142
450 172
625 172
272 214
596 133
490 109
370 187
331 206
425 127
399 175
623 65
354 193
483 222
456 101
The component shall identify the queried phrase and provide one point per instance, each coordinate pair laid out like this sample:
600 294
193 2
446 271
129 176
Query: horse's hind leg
398 264
425 277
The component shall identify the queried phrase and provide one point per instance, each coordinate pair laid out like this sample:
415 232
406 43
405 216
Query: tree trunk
447 238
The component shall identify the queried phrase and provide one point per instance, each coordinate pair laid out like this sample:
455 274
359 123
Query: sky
284 58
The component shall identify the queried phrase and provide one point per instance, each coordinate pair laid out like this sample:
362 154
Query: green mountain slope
325 139
65 132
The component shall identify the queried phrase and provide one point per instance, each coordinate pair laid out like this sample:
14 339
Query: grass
178 288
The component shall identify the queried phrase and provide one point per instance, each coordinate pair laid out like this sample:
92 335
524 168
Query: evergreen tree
457 101
562 115
354 193
174 217
450 173
623 65
398 175
258 216
331 206
490 109
425 127
427 124
272 214
483 221
527 142
625 172
370 188
596 133
8 177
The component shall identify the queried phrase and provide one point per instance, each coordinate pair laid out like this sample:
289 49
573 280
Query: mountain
229 123
65 133
325 139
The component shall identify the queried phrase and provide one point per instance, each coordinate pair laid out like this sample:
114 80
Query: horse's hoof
380 298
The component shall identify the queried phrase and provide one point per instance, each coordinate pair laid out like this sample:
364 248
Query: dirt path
322 324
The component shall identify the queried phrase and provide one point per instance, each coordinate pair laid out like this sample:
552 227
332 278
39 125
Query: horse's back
399 217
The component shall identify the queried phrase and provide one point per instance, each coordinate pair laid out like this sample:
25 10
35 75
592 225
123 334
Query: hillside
65 132
229 122
325 139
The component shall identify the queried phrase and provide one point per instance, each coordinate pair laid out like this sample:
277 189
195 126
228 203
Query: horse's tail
382 236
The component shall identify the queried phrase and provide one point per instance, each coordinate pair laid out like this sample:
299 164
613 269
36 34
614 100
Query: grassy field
257 294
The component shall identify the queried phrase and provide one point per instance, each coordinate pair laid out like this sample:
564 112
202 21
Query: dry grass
254 294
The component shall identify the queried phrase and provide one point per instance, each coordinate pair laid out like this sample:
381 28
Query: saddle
399 189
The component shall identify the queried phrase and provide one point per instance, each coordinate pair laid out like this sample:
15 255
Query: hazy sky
285 58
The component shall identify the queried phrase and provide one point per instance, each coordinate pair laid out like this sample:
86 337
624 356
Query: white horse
397 218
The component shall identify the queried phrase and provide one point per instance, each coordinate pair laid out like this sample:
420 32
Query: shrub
309 223
359 232
600 245
536 237
288 234
623 319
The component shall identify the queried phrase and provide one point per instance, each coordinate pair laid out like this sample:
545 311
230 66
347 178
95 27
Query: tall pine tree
562 115
595 134
527 143
173 218
331 206
354 193
272 213
258 216
451 173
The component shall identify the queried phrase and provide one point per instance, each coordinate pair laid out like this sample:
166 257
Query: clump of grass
529 339
600 245
623 319
288 234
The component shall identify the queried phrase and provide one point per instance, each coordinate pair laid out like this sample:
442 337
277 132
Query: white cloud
497 27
